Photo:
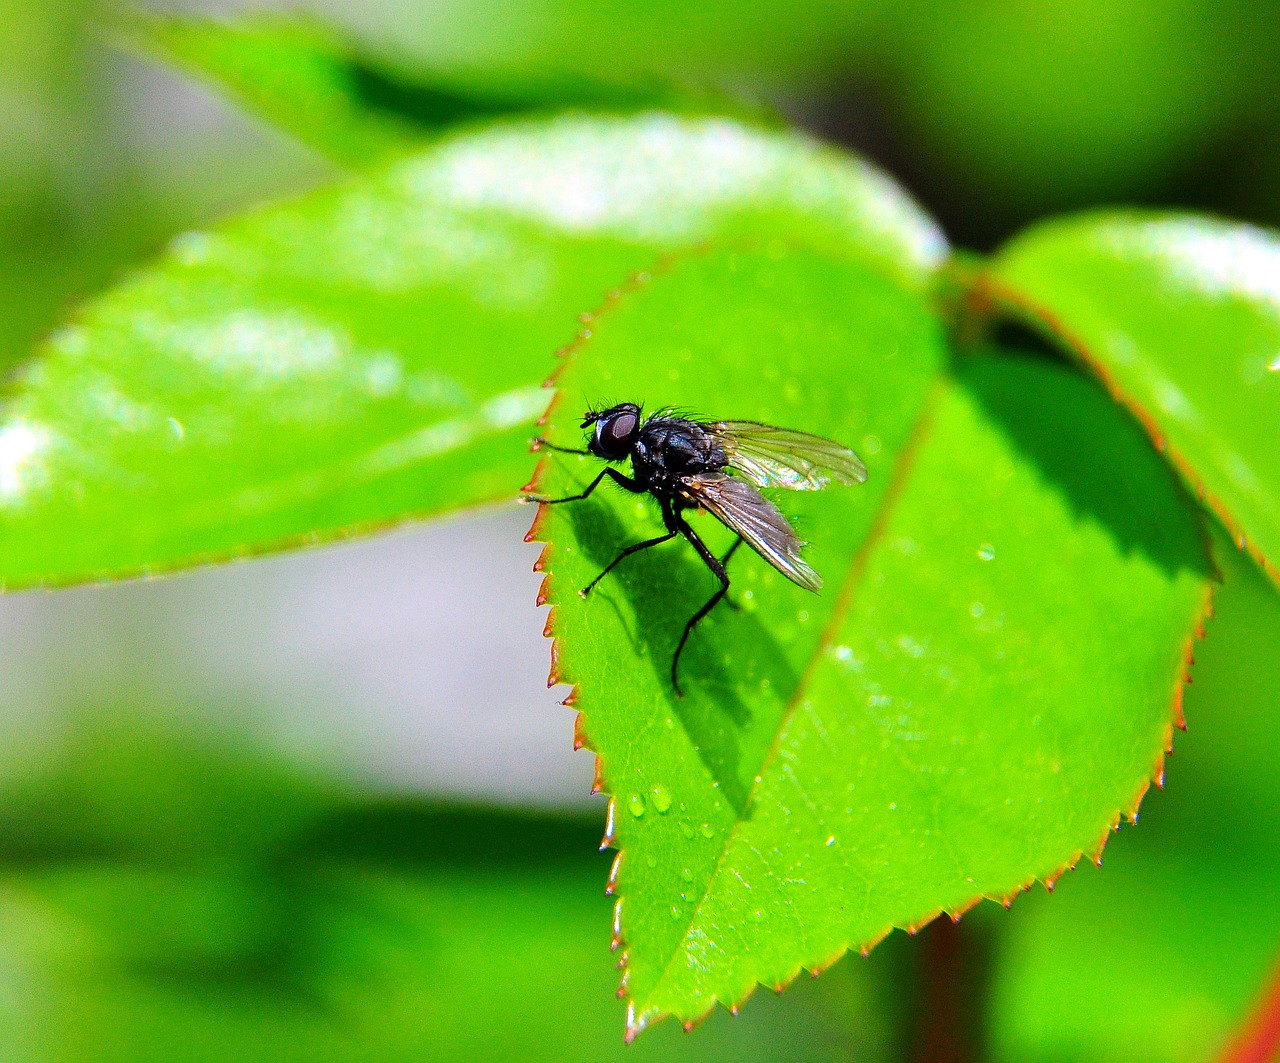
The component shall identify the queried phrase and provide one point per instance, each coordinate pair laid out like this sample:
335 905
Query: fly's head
615 432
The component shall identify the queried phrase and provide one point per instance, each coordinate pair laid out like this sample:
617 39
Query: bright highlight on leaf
989 681
1181 318
374 353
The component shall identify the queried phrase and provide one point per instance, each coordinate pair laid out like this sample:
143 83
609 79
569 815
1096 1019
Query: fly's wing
781 457
743 509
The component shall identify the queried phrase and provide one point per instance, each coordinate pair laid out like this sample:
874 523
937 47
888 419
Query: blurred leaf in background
166 894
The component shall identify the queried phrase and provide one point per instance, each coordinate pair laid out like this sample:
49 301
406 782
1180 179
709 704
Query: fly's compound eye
614 434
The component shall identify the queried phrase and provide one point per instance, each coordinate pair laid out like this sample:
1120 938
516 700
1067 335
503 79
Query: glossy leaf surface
1181 318
362 109
1177 925
375 352
988 679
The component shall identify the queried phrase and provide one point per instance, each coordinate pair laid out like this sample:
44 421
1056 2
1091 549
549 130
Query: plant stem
1258 1041
953 994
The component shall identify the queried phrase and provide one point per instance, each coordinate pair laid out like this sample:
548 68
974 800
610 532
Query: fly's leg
673 529
717 568
724 563
613 474
635 548
540 444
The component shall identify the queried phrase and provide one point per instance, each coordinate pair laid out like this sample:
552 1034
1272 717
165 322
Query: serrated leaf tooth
610 823
612 884
875 939
554 676
916 925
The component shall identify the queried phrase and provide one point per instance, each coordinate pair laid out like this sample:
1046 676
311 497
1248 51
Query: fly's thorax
679 446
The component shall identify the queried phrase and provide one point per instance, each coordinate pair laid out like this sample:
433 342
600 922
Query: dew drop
675 911
661 799
831 840
708 831
871 444
636 804
987 552
686 829
977 609
687 874
803 615
651 861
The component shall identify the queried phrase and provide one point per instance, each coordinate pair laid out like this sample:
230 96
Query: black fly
717 466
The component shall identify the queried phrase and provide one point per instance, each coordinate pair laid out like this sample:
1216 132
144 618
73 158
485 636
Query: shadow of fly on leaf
717 466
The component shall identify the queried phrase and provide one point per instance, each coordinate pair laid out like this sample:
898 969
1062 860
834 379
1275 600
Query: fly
717 466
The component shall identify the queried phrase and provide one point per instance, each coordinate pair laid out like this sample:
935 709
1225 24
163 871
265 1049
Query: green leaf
989 680
375 352
1178 927
361 109
1180 316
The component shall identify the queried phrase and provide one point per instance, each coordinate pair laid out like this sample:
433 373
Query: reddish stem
953 994
1259 1039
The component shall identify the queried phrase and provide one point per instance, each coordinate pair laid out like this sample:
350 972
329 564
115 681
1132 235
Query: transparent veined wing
782 457
743 509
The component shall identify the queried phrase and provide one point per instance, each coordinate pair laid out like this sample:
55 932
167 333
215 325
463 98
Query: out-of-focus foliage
169 895
304 78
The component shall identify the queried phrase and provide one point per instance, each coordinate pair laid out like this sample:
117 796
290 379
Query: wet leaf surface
989 679
1181 318
375 352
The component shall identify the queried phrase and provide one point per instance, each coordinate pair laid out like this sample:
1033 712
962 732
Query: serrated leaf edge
637 1022
990 297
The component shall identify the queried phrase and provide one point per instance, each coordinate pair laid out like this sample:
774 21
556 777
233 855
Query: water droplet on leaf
636 804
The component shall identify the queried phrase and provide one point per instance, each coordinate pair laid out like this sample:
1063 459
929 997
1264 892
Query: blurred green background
317 807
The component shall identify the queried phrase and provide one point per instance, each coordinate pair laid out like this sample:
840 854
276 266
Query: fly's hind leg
717 569
724 563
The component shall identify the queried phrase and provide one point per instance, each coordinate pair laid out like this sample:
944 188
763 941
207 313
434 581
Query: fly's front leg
717 568
613 474
540 444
